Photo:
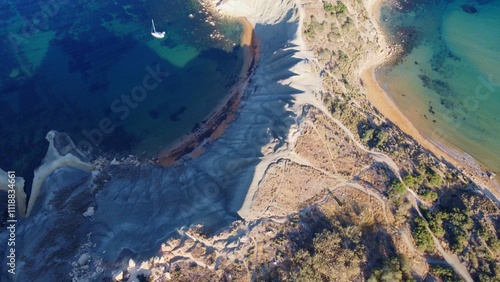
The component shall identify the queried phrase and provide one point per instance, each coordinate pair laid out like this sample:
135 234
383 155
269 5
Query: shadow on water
65 106
138 208
71 90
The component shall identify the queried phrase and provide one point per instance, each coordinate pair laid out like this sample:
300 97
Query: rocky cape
110 211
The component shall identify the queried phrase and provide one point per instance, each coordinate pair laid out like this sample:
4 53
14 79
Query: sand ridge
283 155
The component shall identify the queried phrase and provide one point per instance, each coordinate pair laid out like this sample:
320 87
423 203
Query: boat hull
158 35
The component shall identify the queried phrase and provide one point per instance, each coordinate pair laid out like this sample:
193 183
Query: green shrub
397 188
340 8
494 244
367 135
435 224
435 179
461 220
394 269
390 272
445 273
429 195
457 240
422 237
329 257
413 181
343 56
312 27
382 137
328 7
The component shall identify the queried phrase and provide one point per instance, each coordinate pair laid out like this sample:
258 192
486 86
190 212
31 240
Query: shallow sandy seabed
138 206
283 143
383 102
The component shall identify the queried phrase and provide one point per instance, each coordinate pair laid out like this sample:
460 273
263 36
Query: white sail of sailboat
155 33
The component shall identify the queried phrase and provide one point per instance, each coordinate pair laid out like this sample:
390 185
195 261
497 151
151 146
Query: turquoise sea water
448 81
92 69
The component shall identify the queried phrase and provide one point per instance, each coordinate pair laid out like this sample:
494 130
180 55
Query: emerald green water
448 82
93 70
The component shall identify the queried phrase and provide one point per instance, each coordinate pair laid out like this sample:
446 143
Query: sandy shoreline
216 122
383 103
193 145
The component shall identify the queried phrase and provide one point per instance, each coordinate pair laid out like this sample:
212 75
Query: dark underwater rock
469 9
169 43
154 114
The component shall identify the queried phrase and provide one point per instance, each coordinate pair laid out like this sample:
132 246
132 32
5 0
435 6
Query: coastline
214 125
386 106
271 158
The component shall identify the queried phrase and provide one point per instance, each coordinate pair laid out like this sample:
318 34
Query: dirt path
453 261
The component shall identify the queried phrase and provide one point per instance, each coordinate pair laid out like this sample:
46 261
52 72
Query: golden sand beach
216 123
383 103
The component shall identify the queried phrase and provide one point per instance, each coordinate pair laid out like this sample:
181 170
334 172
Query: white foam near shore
54 159
282 54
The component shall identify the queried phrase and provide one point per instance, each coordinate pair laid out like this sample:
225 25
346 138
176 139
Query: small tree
435 179
397 188
413 181
422 237
340 8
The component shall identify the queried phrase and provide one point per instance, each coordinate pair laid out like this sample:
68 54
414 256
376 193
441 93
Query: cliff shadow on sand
123 210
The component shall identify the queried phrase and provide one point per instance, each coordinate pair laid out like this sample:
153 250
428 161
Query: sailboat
155 33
